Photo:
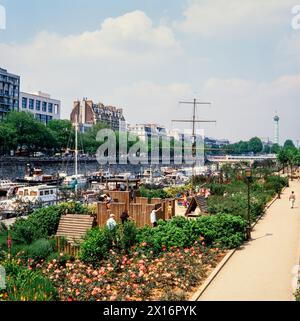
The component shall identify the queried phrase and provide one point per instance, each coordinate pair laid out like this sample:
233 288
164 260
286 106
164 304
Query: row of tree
20 132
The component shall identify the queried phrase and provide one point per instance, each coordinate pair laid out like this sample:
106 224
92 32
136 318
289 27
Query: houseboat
42 194
7 187
35 176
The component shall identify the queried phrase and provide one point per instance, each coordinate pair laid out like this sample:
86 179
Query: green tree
31 135
255 145
64 133
289 144
275 149
283 158
8 137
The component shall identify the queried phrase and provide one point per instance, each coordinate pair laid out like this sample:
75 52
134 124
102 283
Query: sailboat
76 181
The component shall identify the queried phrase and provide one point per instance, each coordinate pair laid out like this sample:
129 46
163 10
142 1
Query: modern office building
147 131
87 114
9 92
41 105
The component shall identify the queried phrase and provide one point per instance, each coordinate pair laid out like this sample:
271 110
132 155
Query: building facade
147 131
41 105
87 114
9 92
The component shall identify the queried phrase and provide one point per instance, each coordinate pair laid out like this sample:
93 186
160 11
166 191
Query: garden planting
128 263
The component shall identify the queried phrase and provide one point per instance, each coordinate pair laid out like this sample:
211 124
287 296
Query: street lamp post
248 174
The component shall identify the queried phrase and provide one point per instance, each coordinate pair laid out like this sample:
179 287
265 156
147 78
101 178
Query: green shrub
225 230
153 193
217 189
40 250
96 246
3 227
126 236
27 285
43 222
275 183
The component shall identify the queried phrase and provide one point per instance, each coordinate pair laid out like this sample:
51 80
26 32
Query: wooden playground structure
139 209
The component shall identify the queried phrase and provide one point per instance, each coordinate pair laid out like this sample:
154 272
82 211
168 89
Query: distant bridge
238 159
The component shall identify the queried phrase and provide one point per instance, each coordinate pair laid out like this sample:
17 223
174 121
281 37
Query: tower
276 129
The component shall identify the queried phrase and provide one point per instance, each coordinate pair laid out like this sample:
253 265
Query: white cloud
246 108
134 64
124 50
233 17
152 102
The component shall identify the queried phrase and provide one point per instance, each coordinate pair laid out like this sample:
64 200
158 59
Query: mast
195 103
76 148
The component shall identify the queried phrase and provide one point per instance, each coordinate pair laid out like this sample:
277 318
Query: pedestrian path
265 269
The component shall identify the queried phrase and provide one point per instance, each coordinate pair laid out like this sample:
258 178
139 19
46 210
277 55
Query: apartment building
86 113
147 131
41 105
9 92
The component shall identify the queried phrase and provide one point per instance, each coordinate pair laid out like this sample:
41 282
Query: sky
147 55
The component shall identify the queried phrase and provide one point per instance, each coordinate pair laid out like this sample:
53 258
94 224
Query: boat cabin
44 194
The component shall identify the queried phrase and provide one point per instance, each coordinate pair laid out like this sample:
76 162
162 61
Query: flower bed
172 275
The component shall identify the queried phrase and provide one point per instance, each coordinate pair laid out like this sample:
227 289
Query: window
46 192
24 102
26 192
50 108
44 108
51 192
56 109
41 193
44 119
31 104
38 105
49 118
33 193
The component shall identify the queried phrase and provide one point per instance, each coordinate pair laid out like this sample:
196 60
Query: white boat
6 186
125 176
35 176
44 194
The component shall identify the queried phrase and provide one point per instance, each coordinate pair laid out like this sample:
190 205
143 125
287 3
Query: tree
292 155
255 145
289 144
7 137
267 149
64 133
275 149
30 134
283 158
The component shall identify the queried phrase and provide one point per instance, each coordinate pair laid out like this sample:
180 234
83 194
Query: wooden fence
66 247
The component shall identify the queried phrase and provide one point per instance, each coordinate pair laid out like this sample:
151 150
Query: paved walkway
265 269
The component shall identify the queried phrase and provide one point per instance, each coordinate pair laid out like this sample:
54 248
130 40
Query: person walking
153 217
292 200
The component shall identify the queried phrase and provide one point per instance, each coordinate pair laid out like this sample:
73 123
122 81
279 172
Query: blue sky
144 56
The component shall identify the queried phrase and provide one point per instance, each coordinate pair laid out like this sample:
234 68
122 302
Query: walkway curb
212 276
220 266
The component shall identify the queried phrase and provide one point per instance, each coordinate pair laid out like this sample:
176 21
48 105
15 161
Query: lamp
248 173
